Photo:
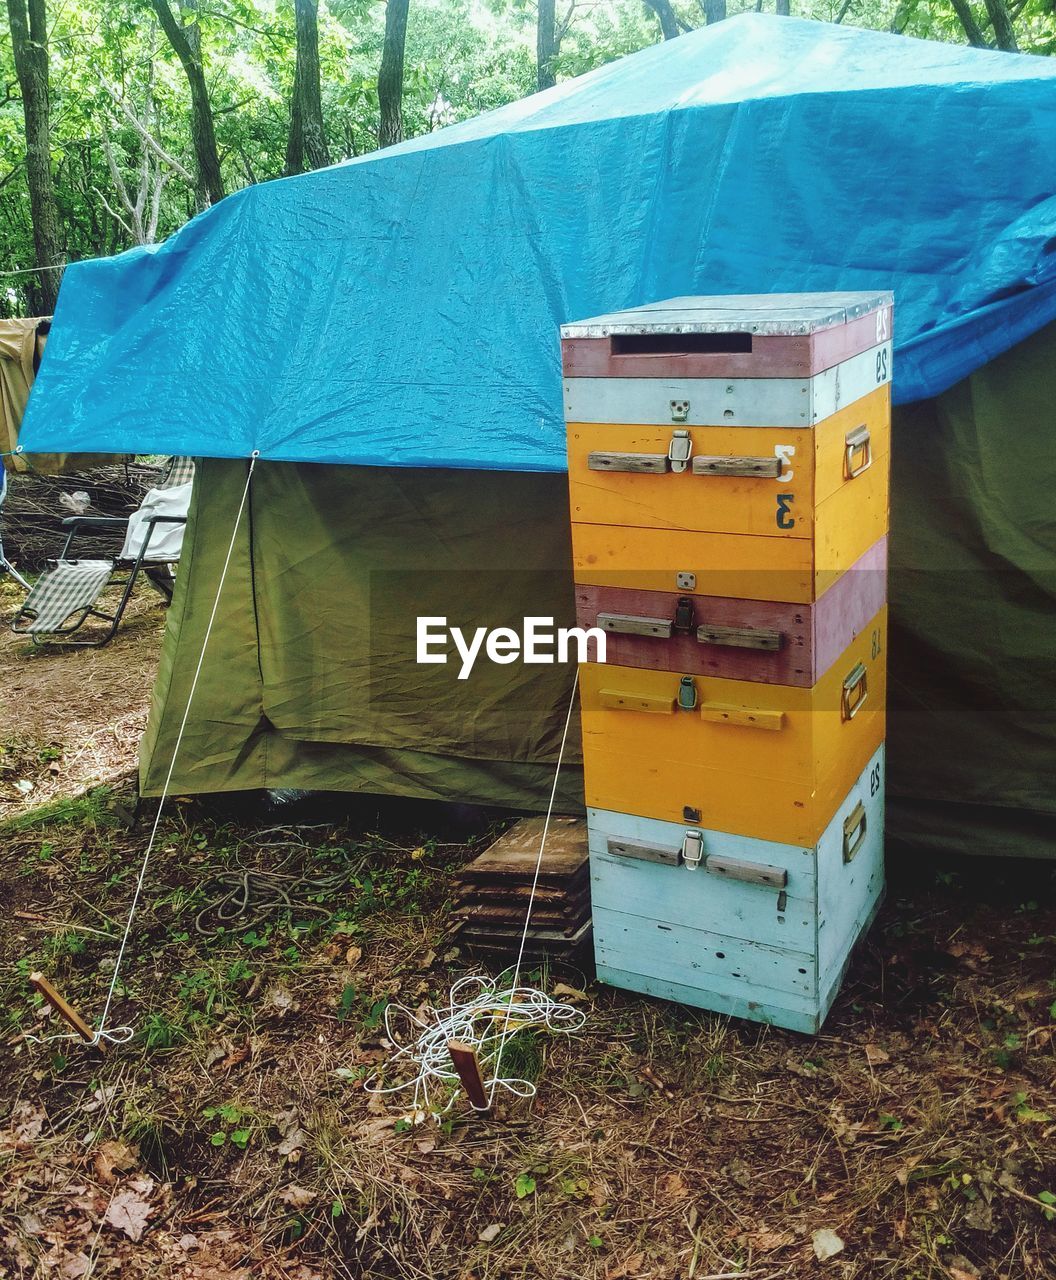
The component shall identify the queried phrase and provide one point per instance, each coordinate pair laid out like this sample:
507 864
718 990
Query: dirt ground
71 718
232 1137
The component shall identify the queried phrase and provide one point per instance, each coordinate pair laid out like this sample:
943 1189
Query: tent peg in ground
65 1010
467 1064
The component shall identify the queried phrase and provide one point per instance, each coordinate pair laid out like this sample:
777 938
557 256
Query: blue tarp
403 308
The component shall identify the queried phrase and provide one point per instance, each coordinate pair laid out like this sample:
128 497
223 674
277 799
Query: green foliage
236 1125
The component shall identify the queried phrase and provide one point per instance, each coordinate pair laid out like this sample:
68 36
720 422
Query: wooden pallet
493 892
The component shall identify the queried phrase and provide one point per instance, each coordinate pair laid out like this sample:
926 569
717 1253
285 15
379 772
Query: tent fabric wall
972 727
22 344
309 682
309 679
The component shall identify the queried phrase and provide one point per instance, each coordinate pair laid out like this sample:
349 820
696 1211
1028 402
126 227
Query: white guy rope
474 1000
32 271
121 1035
476 1007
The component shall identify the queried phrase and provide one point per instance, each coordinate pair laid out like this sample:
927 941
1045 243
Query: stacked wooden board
494 891
728 471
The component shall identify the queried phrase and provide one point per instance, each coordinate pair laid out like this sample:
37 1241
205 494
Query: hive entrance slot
678 344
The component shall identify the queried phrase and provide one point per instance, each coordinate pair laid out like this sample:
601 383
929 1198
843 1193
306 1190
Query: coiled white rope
481 1012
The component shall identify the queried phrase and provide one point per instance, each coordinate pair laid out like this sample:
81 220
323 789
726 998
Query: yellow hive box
768 761
734 475
803 503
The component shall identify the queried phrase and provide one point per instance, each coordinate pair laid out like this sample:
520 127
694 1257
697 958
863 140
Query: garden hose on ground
251 898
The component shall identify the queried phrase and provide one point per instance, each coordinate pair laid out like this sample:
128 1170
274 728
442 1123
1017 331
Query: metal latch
679 450
687 693
693 849
684 614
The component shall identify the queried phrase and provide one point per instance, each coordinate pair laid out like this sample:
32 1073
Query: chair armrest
167 520
93 522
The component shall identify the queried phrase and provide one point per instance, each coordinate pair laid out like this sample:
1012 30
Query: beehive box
762 760
754 928
697 465
728 482
773 642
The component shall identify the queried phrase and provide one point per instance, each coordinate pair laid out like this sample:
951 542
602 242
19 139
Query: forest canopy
123 118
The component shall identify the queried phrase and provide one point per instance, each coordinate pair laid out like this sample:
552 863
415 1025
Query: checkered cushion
180 471
68 587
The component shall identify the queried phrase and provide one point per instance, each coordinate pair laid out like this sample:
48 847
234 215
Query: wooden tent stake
467 1064
65 1010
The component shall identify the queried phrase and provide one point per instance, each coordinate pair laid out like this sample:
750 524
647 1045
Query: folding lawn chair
66 594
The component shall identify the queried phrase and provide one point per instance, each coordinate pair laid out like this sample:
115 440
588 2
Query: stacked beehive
728 469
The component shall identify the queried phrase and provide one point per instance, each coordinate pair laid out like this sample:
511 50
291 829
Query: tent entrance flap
311 679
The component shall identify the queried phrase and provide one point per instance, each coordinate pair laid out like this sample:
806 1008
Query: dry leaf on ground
827 1244
766 1241
297 1197
129 1211
113 1157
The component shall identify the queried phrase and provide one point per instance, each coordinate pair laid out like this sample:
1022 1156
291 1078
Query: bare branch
115 172
147 137
566 21
113 212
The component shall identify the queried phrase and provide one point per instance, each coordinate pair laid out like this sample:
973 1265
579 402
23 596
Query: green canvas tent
311 679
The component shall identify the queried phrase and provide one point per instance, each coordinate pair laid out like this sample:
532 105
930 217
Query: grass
663 1141
88 810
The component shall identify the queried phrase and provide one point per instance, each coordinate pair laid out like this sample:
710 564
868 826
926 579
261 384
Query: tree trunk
307 141
905 11
187 42
971 28
29 41
783 8
1001 21
390 77
666 14
546 44
714 10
